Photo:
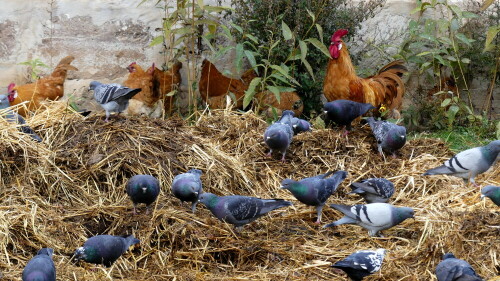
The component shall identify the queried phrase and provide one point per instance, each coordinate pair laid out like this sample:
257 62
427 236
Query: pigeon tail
273 204
441 170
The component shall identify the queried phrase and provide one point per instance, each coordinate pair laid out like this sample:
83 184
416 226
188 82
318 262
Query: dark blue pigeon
314 191
13 117
300 125
143 189
104 249
40 267
374 190
469 163
343 112
361 263
240 210
389 136
492 192
278 135
188 187
112 97
375 216
453 269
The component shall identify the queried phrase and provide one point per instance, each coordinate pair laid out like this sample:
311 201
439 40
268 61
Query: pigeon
112 97
390 137
143 189
240 210
374 190
361 263
188 187
492 192
453 269
374 217
278 136
314 191
13 117
343 112
104 249
40 267
469 163
300 125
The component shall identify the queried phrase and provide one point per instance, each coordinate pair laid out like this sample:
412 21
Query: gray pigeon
300 125
40 267
240 210
361 263
492 192
374 190
343 112
314 191
112 97
469 163
188 187
390 137
278 136
104 249
453 269
13 117
374 217
143 189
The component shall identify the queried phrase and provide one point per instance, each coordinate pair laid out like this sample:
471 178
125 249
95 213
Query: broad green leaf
428 37
207 42
320 32
309 68
157 40
424 66
465 60
251 58
490 36
279 77
451 58
320 46
222 51
295 55
287 33
250 92
182 30
201 4
451 113
239 56
454 24
212 28
217 9
464 38
171 93
485 6
237 27
275 91
445 40
469 15
424 53
311 14
227 32
303 49
274 45
445 102
251 37
456 10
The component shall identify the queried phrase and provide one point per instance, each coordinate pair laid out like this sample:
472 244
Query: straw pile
70 187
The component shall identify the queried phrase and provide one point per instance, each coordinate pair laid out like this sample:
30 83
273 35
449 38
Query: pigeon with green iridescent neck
469 163
343 112
453 269
374 217
361 263
389 136
314 191
278 135
105 249
188 187
240 210
143 189
374 190
492 192
40 267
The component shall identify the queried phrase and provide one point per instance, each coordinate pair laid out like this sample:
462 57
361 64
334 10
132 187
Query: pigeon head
94 85
195 171
45 251
449 256
494 146
396 137
80 254
287 183
288 112
208 199
403 213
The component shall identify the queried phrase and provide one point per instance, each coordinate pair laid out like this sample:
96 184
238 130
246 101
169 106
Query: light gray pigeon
40 267
188 187
240 210
492 192
469 163
374 217
374 190
453 269
361 263
112 97
13 117
389 136
278 135
314 191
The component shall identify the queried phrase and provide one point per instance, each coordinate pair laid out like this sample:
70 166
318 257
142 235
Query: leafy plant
34 65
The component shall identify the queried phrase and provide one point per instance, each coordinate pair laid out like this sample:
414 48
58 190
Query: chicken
288 101
447 87
386 88
213 84
145 102
164 82
47 88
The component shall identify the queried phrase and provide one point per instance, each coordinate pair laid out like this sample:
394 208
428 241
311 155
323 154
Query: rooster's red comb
11 85
338 34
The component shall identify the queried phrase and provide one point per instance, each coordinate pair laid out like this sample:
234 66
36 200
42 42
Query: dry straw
71 186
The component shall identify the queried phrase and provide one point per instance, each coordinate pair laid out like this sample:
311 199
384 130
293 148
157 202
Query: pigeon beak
282 187
295 126
482 196
268 138
325 112
196 193
144 189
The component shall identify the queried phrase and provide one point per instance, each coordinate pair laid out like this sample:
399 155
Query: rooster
164 82
214 85
47 88
386 88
